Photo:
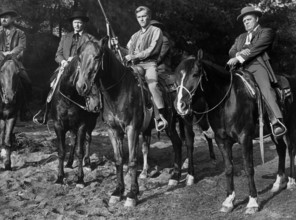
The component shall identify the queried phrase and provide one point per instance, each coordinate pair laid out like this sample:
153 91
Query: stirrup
281 134
165 123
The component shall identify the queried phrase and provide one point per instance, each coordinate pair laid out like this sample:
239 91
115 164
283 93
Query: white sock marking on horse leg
291 184
229 200
180 92
3 153
252 203
278 184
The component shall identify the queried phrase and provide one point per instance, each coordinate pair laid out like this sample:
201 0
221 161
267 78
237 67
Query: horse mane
12 58
209 66
186 65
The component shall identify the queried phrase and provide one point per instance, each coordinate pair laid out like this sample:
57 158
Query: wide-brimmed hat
79 14
157 24
7 11
249 10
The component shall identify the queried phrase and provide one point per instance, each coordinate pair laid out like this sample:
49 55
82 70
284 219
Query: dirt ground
29 192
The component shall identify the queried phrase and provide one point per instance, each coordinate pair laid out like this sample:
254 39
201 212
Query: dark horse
233 116
122 111
68 115
10 104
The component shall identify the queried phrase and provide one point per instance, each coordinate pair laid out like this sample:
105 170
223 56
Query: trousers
151 77
261 77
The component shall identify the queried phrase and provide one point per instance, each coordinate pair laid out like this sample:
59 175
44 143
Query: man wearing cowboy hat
250 50
68 47
13 44
144 49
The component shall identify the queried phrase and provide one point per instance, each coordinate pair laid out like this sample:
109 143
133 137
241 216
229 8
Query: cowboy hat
157 24
79 14
249 10
6 11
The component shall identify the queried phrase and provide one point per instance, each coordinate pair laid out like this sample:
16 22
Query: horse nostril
96 109
183 105
84 88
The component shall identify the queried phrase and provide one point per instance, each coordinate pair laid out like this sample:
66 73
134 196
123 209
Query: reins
81 106
220 102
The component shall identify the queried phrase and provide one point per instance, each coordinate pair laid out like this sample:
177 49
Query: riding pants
152 81
261 76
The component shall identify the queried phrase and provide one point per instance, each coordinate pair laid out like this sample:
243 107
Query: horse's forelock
186 66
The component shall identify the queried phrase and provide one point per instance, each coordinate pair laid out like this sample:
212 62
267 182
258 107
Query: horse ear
199 54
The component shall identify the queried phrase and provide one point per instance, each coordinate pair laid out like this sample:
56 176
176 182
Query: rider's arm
164 50
154 47
19 49
59 54
233 50
260 46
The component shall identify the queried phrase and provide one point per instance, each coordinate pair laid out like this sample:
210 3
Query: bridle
199 84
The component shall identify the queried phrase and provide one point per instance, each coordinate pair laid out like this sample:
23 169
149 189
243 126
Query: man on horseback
13 44
144 49
250 51
67 49
164 58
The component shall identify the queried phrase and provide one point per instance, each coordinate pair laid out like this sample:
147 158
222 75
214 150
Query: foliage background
207 24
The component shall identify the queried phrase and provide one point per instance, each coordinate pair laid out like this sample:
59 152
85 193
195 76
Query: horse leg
60 132
133 138
116 138
247 147
292 152
225 146
2 137
280 182
145 151
73 141
189 140
177 145
81 133
7 142
87 148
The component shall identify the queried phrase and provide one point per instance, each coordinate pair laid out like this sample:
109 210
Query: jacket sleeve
19 49
59 54
164 50
156 42
263 43
233 50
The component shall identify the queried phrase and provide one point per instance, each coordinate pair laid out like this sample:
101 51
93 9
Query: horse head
90 58
9 81
188 77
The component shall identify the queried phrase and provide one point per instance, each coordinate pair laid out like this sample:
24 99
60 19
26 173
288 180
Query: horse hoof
80 185
173 182
190 180
130 202
114 200
251 211
143 175
277 187
8 167
226 209
88 169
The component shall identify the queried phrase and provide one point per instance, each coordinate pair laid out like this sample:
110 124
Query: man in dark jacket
251 51
68 47
13 43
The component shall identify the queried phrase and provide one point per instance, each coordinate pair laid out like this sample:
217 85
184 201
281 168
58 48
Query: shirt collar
254 29
143 30
80 32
